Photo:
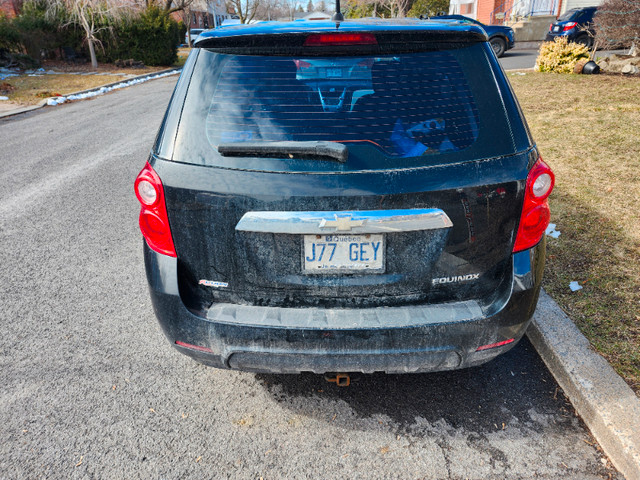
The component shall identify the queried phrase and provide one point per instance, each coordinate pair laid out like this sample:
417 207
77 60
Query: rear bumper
392 340
570 34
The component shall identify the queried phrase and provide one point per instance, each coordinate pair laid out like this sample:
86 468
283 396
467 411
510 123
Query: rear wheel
499 46
584 39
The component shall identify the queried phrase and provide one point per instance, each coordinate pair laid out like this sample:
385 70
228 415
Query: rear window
569 16
390 111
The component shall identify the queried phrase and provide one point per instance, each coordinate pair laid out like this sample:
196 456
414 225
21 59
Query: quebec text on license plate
343 253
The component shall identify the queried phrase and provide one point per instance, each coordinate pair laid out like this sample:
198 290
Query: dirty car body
353 197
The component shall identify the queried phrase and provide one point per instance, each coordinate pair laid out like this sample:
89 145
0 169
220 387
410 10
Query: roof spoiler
388 42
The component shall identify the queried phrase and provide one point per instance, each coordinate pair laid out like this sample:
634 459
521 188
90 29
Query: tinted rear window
569 16
391 111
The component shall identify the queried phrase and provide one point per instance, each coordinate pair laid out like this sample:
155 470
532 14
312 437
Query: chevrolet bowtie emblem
341 224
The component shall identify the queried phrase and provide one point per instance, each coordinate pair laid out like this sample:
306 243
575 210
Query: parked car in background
193 33
354 197
575 24
501 38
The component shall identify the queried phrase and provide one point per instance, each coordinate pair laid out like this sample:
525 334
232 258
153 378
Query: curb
605 402
43 102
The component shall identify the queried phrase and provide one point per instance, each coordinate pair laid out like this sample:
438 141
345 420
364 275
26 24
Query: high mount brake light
154 221
535 216
337 39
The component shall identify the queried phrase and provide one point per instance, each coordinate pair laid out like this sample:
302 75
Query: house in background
204 14
529 19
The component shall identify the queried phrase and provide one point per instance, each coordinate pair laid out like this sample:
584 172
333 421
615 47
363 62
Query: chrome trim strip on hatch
353 221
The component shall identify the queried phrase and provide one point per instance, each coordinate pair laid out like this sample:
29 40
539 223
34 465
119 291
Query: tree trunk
92 53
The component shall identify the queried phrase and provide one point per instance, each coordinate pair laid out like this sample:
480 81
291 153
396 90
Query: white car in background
194 34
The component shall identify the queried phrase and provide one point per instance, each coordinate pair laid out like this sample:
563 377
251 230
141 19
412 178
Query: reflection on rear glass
404 105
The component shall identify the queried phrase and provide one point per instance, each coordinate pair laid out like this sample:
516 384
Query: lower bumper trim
414 362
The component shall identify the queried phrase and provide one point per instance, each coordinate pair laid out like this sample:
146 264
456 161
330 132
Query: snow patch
101 91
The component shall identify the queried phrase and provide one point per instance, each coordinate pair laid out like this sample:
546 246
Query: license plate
334 72
343 253
556 29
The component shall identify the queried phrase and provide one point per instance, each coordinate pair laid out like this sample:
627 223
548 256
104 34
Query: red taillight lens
194 347
154 222
494 345
535 210
551 27
568 26
326 39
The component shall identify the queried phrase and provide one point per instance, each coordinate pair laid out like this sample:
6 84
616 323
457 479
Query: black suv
575 24
339 197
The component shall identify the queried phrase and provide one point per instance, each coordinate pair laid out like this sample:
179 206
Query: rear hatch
325 175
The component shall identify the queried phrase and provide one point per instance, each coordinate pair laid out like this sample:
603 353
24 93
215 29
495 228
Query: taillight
568 26
154 221
326 39
551 27
535 210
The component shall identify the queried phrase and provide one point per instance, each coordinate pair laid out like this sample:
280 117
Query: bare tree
271 10
245 9
398 8
179 5
91 15
290 8
383 8
185 8
169 6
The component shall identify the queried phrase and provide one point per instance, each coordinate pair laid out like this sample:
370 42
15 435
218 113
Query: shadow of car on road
482 399
478 399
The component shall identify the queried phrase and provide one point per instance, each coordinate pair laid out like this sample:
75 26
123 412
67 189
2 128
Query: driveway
91 388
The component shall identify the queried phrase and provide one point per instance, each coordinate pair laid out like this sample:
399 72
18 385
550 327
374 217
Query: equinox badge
455 279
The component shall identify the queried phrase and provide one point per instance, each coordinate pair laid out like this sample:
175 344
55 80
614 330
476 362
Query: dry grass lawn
588 130
29 90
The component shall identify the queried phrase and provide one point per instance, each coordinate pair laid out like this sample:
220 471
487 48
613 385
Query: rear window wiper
313 150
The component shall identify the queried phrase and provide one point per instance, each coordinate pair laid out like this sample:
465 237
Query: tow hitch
340 379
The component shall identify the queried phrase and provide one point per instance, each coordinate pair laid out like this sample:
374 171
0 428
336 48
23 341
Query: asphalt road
517 59
91 388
